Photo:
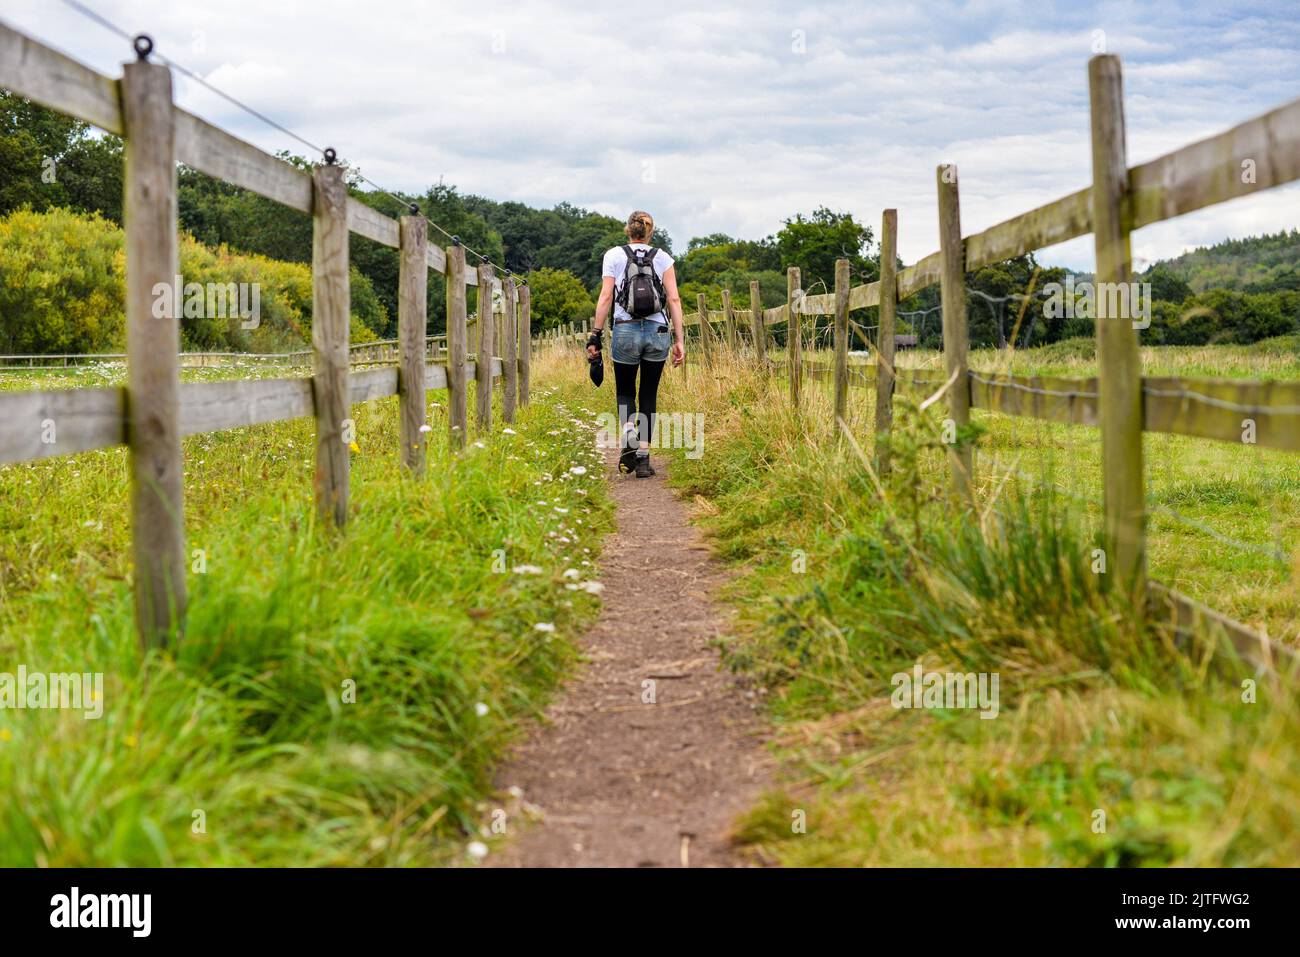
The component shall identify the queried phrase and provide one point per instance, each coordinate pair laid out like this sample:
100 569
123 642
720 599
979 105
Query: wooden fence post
841 406
706 337
757 328
499 332
457 339
153 344
509 351
1119 363
952 295
885 337
331 307
525 342
483 364
794 333
729 319
412 315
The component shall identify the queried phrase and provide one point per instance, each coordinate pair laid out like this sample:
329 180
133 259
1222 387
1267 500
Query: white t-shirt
615 265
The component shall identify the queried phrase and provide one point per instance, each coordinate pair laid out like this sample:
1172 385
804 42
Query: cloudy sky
727 117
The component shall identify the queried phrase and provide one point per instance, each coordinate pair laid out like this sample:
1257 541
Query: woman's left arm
675 314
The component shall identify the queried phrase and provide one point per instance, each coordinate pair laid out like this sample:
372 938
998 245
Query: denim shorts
639 339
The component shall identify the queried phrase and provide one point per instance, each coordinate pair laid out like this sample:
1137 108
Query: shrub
62 283
558 296
62 288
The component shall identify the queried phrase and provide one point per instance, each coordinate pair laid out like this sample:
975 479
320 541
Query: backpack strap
639 257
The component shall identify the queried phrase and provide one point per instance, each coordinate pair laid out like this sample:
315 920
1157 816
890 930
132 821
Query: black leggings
628 399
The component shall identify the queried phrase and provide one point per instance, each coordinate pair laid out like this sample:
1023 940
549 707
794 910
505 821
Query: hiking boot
628 443
643 468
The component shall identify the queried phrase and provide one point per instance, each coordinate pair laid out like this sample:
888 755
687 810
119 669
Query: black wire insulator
143 45
331 157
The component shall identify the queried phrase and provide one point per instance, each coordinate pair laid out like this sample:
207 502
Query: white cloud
563 101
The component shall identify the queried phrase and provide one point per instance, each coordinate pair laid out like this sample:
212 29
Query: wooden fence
155 409
359 353
1261 153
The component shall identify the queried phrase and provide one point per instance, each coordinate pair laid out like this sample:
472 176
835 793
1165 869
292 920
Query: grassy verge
337 699
1224 518
1110 745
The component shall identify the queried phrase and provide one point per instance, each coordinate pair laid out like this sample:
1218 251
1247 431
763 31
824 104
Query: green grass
247 722
841 583
1224 519
1112 746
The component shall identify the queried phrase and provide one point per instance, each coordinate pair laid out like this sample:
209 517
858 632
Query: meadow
337 698
1224 519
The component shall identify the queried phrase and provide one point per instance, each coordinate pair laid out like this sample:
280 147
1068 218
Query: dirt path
624 783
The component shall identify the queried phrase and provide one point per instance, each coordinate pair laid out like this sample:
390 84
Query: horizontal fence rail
1191 178
88 419
380 350
1204 408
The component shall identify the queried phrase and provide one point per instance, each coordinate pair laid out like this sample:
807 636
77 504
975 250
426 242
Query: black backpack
642 293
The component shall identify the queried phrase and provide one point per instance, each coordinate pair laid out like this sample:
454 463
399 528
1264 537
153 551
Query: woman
638 281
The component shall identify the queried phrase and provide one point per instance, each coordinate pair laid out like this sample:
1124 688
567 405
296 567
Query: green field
241 747
1224 520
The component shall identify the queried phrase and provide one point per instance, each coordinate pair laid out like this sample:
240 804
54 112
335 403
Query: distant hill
1269 263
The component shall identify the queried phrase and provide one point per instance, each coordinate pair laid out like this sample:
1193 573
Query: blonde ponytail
640 227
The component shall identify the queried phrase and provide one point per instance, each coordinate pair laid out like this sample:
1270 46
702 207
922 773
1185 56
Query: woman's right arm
603 303
675 316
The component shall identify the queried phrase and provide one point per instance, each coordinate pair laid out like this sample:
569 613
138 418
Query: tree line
1239 291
